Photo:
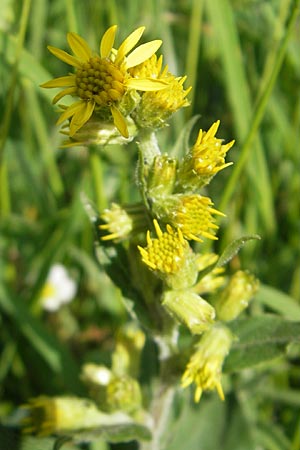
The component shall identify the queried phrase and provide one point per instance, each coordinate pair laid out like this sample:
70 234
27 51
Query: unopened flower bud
99 132
236 295
189 309
126 356
162 175
61 415
96 377
124 394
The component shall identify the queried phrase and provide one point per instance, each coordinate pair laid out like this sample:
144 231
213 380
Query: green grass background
242 59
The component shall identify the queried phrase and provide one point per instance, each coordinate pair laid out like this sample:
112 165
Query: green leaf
278 302
259 339
199 426
233 248
233 438
12 439
114 260
116 427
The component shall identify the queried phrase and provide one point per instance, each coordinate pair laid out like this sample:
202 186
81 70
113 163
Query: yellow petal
129 43
68 91
81 116
64 56
107 41
60 82
119 121
141 53
79 46
146 84
70 111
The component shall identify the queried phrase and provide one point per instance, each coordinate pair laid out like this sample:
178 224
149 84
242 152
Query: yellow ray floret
101 81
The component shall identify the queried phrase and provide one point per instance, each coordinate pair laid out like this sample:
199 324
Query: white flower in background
58 290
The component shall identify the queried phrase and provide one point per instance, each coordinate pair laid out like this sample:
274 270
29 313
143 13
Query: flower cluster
171 189
121 94
114 87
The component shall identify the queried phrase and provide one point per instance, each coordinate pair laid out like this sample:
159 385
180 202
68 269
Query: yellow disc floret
99 80
167 253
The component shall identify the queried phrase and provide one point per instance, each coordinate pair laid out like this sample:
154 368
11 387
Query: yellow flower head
170 257
118 223
208 153
156 107
203 161
102 81
167 253
192 214
121 221
205 366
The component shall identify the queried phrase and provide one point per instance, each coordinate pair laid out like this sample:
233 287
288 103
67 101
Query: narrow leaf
233 248
260 339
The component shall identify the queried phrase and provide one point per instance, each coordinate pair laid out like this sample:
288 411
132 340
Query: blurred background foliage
242 59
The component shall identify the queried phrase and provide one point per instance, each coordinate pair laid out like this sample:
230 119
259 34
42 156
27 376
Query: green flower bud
126 356
236 295
98 131
96 377
61 415
189 309
124 394
162 175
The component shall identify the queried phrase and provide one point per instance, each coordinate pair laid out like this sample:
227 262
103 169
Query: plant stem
164 392
97 174
161 408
